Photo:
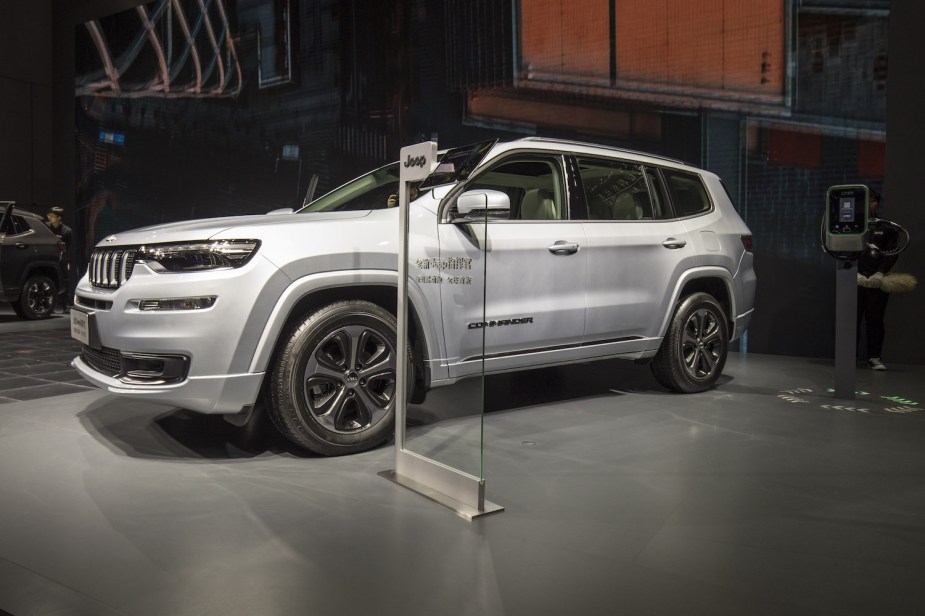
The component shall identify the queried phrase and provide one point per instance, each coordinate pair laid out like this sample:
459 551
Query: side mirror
282 210
471 206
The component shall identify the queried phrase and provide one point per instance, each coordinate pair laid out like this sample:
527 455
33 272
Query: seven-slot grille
111 267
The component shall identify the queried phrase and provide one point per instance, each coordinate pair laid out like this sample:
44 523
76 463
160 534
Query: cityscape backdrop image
253 105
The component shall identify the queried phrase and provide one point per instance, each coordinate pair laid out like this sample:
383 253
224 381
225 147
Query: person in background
413 193
872 266
60 229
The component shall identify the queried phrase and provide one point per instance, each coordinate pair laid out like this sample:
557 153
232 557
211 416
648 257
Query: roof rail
608 147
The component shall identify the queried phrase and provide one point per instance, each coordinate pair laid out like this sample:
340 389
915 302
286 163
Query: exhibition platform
765 495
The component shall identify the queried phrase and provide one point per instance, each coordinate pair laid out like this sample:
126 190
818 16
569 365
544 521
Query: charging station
844 231
846 219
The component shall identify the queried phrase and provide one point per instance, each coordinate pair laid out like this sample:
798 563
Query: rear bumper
741 324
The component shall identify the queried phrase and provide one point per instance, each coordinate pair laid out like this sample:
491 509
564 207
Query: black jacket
884 237
63 231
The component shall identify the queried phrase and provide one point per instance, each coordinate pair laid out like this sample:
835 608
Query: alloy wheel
702 344
40 297
349 379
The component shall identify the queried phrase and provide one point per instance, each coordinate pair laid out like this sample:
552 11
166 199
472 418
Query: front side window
688 194
617 190
533 186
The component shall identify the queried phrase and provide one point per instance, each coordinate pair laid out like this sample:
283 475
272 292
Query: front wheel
332 387
37 300
694 350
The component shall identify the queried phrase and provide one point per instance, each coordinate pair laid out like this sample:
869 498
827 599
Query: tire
694 350
332 384
38 297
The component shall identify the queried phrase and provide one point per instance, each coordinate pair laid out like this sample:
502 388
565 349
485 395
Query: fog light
176 303
152 369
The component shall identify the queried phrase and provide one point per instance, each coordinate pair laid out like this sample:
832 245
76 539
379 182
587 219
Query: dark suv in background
31 263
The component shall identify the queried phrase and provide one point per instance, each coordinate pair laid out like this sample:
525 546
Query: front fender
307 285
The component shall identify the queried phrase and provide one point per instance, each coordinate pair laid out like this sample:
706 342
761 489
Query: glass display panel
446 287
505 235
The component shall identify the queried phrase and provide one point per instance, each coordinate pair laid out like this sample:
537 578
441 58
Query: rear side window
688 194
616 190
33 224
15 225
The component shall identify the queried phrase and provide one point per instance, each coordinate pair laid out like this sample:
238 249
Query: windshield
368 192
378 189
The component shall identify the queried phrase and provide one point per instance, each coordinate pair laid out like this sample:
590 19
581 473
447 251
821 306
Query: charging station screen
846 209
846 217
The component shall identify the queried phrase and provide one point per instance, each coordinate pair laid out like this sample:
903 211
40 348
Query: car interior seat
538 204
643 205
624 207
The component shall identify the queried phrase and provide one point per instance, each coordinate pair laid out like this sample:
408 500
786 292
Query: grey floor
35 358
763 496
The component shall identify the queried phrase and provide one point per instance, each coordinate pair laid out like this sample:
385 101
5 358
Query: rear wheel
694 350
333 384
37 300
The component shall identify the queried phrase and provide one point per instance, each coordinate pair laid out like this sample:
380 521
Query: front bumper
215 394
218 342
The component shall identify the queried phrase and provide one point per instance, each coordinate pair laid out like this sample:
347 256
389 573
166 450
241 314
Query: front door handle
673 244
20 245
563 248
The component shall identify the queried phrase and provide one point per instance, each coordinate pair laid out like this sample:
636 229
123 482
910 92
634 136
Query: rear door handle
21 245
563 248
673 244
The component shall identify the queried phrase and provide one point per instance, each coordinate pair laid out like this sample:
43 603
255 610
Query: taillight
747 242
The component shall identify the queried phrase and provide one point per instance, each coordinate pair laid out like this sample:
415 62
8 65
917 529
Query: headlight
197 256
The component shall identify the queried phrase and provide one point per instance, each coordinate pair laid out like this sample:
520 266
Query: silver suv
592 252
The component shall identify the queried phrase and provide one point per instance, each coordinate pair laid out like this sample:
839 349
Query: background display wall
781 98
26 102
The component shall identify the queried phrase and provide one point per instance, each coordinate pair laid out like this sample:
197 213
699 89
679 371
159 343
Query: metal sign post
415 163
846 312
453 488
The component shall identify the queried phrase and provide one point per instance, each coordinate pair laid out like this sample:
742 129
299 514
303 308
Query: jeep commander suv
590 251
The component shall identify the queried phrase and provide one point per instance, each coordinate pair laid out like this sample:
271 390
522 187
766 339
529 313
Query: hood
206 228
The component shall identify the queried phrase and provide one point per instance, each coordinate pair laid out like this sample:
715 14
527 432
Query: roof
596 146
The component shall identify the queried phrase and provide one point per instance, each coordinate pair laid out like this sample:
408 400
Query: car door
16 252
4 225
636 251
520 278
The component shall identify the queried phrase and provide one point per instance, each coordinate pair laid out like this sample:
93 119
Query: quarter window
688 195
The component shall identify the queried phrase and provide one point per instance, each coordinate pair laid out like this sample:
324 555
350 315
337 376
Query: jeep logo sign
419 160
416 162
